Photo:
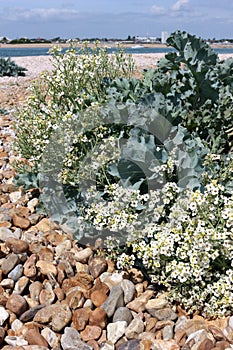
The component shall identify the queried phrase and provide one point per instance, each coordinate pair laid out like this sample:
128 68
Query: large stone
139 304
29 267
114 300
116 330
46 254
29 314
50 336
135 327
133 344
80 318
20 221
98 297
3 315
97 266
122 314
128 289
98 317
164 314
155 304
9 263
5 233
91 332
16 273
17 246
46 267
17 304
83 255
57 315
165 345
191 326
70 338
33 337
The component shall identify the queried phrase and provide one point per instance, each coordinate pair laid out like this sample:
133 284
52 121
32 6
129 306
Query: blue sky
115 18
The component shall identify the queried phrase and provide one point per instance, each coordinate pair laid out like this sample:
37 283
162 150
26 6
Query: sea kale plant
10 68
190 86
146 164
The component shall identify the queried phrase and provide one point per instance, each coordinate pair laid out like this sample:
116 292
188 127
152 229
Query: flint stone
205 344
16 325
21 284
34 347
4 216
122 314
3 315
80 318
33 337
98 297
111 279
15 196
17 246
133 344
199 336
16 273
83 255
49 336
7 283
46 267
20 221
180 323
128 289
56 314
30 266
15 341
97 266
135 328
5 233
114 300
16 304
192 326
9 263
98 317
231 322
165 345
116 330
2 335
35 289
29 314
139 304
164 314
167 332
107 346
156 304
70 338
91 332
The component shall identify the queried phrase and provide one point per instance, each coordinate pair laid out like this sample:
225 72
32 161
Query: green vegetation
10 68
145 163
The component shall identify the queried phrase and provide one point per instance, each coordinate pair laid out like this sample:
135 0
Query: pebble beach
56 295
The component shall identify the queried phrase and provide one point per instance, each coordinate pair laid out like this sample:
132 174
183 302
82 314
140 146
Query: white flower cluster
191 251
120 212
73 85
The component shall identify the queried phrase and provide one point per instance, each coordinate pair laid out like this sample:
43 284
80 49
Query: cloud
41 14
157 10
180 5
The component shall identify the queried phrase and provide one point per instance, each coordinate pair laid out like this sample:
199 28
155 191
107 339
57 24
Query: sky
114 18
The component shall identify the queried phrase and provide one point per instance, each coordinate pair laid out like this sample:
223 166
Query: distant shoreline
102 44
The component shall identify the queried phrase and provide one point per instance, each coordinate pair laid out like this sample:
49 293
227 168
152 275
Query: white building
164 37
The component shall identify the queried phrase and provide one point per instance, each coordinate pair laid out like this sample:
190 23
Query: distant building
164 37
146 39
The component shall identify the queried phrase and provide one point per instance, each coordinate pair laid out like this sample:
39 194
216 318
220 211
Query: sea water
40 51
